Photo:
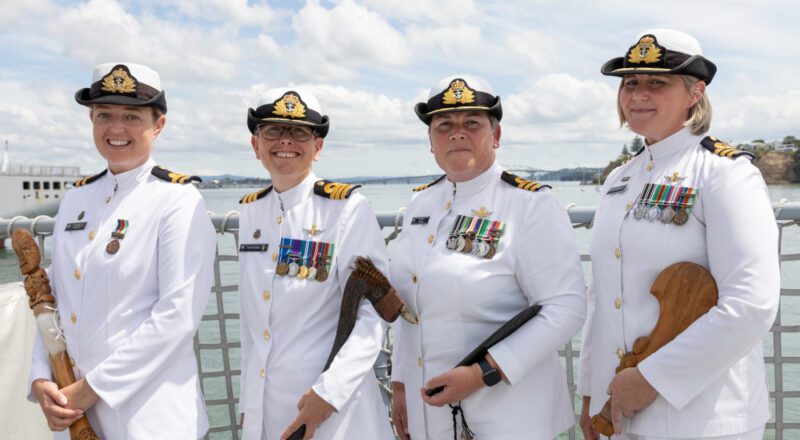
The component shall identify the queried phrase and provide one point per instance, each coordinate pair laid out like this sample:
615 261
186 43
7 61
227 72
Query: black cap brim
696 66
159 101
421 109
253 122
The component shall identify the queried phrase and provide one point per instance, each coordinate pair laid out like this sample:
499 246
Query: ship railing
217 343
42 171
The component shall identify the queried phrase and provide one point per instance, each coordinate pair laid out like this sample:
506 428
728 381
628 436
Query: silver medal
460 243
483 248
312 273
667 214
640 211
652 213
293 269
452 242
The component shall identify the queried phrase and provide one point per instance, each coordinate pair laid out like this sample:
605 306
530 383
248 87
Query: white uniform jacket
288 324
129 317
710 379
461 299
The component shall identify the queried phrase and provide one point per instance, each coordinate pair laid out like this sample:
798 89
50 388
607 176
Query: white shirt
129 317
461 299
288 324
710 379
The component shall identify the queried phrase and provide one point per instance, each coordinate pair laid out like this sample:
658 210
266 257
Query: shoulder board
521 183
169 176
258 195
334 190
425 186
720 148
87 180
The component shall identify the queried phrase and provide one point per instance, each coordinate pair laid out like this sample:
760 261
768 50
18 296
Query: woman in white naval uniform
133 250
524 253
298 240
682 198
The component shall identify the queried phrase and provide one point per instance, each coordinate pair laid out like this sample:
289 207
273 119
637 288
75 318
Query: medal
294 268
282 269
652 213
312 273
113 246
490 253
681 217
640 211
302 273
667 214
322 274
452 243
460 243
467 245
483 249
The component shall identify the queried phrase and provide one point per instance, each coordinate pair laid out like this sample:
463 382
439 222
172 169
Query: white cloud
238 12
438 12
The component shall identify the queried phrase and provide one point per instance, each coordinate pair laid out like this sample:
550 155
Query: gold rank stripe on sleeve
87 180
334 190
722 149
427 185
519 182
252 197
169 176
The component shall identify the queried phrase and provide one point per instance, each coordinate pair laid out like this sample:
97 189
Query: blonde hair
699 120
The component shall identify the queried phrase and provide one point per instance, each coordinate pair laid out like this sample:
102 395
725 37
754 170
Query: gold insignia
170 176
425 186
334 190
87 180
289 105
722 149
674 178
252 197
645 51
118 81
313 230
178 177
458 93
482 213
519 182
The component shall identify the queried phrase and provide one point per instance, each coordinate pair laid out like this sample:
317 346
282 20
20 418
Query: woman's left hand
629 392
458 384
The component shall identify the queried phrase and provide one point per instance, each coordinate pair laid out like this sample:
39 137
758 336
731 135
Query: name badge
420 220
617 189
255 247
75 226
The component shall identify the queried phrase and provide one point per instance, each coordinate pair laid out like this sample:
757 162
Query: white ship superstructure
31 190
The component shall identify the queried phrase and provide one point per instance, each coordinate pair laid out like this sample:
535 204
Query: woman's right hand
589 433
399 413
52 402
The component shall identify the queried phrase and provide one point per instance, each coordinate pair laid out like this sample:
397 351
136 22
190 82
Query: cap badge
646 51
458 93
118 81
289 105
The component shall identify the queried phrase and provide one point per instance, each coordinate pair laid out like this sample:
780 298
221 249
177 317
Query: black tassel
466 433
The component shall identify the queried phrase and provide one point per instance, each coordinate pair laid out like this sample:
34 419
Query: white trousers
756 434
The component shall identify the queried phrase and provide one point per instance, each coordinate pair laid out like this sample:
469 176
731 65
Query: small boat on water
31 190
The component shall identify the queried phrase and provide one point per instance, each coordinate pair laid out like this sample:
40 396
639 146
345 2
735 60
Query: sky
368 62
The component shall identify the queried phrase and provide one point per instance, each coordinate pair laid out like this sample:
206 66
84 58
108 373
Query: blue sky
369 62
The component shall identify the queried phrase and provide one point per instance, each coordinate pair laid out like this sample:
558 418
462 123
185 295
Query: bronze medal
282 269
491 252
681 217
113 246
322 274
467 245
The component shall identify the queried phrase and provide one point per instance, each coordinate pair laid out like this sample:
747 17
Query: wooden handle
685 292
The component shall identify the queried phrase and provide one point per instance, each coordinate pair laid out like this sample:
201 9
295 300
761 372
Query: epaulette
425 186
169 176
521 183
720 148
87 180
258 195
334 190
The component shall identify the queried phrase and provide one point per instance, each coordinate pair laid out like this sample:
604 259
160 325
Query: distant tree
791 140
759 141
625 151
636 144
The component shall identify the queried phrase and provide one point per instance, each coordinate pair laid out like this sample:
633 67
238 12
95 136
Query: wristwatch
491 376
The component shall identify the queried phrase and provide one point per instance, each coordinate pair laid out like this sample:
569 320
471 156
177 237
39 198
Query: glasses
274 132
